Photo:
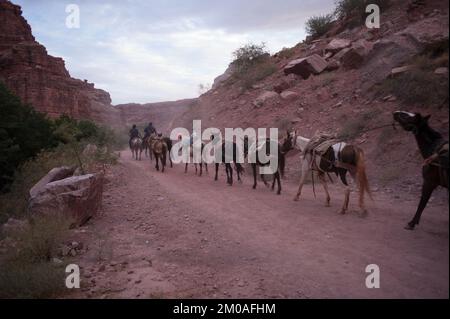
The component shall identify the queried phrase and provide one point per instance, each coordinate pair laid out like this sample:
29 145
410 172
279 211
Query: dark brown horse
169 144
227 159
434 149
159 148
339 158
283 149
191 155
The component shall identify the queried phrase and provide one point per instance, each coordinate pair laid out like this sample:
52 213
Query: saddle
320 143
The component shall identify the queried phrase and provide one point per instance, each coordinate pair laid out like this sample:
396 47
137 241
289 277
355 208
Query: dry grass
27 270
420 86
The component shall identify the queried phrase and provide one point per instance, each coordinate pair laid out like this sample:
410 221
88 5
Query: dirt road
178 235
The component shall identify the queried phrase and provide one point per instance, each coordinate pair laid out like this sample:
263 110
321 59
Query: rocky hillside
161 114
348 81
42 80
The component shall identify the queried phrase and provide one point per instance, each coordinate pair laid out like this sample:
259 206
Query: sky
144 51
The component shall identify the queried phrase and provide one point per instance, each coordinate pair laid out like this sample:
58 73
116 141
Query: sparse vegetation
354 126
252 64
354 11
420 86
317 26
27 267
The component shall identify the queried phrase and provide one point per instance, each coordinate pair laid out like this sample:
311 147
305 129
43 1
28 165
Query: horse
136 146
159 149
147 149
434 149
192 149
227 148
169 144
283 149
335 157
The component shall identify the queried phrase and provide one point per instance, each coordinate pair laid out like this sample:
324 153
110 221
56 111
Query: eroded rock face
357 53
304 67
56 174
42 80
337 45
78 197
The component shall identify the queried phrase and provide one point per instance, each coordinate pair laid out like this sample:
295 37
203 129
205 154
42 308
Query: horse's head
411 122
289 141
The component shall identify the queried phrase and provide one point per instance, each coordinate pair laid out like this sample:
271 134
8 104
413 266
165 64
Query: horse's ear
427 118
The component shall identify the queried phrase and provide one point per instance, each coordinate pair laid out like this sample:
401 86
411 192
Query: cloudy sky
148 51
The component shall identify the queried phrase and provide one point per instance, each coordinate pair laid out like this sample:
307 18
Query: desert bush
354 11
252 63
27 267
420 86
353 127
317 26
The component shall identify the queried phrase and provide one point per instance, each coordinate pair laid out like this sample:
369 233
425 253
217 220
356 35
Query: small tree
319 25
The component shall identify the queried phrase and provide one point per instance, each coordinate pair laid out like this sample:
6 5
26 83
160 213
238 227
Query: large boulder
55 174
304 67
79 197
224 77
337 45
355 56
289 95
265 97
399 48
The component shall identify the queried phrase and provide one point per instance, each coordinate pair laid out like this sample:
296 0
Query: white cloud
147 52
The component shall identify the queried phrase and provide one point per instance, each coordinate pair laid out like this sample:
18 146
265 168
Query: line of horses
324 156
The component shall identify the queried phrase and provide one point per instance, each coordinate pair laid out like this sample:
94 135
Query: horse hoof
409 227
343 212
278 193
254 187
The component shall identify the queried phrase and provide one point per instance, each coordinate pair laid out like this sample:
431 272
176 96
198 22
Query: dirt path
178 235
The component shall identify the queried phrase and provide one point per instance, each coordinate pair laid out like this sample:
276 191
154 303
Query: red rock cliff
42 80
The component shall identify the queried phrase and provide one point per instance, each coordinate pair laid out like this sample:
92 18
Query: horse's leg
343 176
201 169
185 168
264 180
206 167
427 190
305 170
325 187
277 177
217 172
157 162
230 169
254 175
196 170
163 161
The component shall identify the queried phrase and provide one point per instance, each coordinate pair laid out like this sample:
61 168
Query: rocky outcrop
224 77
304 67
78 197
354 57
56 174
337 45
42 80
264 97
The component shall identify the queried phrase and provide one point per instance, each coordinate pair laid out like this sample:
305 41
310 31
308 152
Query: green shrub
319 25
355 10
248 56
420 86
27 269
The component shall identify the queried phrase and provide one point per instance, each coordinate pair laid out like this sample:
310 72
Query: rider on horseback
149 130
134 133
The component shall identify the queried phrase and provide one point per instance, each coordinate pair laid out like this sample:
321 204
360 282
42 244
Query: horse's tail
361 175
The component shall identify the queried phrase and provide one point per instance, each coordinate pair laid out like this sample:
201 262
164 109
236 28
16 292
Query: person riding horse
149 130
134 133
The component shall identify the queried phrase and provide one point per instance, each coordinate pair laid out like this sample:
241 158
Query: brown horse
434 149
283 149
136 148
159 148
339 158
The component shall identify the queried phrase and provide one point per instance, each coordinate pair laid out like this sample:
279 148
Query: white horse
136 148
338 158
